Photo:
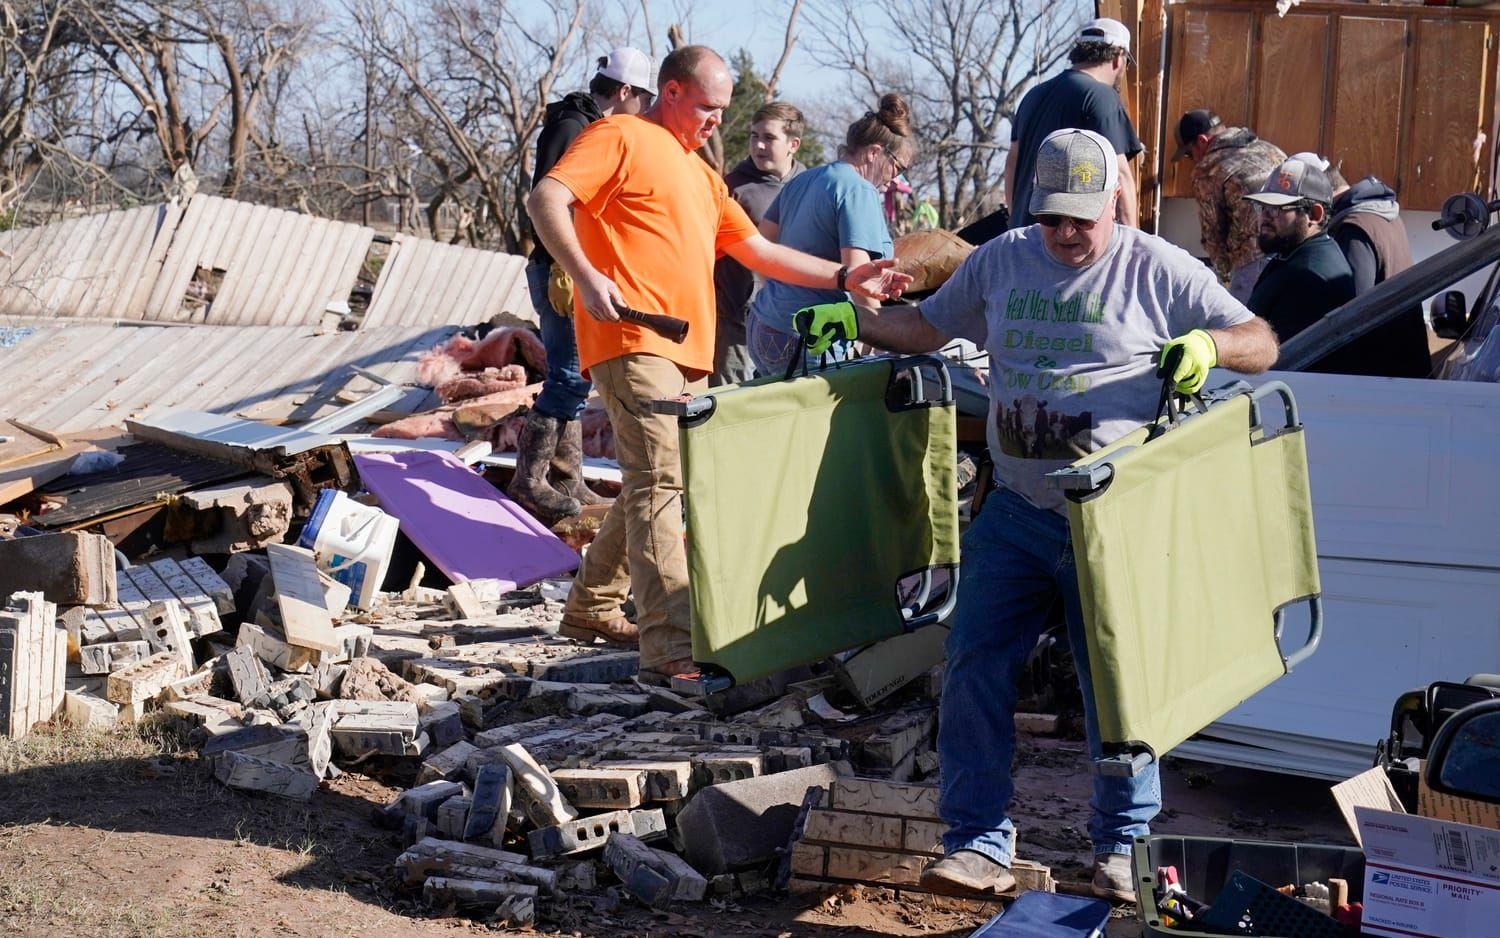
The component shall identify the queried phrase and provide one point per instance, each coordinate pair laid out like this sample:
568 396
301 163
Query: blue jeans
564 389
771 350
1017 561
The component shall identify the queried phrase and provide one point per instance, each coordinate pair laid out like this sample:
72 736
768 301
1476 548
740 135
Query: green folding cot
1192 535
822 513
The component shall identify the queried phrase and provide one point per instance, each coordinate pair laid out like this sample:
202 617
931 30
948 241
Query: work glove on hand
1191 367
826 323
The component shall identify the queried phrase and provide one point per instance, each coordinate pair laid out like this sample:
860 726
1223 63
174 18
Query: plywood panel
1211 68
1149 116
1368 100
1291 66
1447 112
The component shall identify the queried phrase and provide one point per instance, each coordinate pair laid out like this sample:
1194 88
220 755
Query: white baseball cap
628 66
1107 30
1311 159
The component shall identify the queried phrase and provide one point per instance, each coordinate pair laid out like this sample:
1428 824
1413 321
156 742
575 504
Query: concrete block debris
655 877
528 767
739 825
33 663
583 834
70 569
875 832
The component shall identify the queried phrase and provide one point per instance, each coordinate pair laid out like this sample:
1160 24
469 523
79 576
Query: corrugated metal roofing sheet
425 281
85 267
258 265
78 376
274 267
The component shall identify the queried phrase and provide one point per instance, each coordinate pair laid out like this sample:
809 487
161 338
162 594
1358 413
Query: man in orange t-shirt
637 219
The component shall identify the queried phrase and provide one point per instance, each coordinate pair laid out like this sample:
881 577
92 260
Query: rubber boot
534 454
567 466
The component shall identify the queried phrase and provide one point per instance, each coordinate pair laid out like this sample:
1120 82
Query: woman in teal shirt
834 212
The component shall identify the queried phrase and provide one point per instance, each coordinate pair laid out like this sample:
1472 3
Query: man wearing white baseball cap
1083 96
549 477
1075 312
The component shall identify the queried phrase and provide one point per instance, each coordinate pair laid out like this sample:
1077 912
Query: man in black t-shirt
1084 97
1306 276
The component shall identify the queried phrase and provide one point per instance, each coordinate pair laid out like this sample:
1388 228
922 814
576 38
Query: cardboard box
1426 877
1443 807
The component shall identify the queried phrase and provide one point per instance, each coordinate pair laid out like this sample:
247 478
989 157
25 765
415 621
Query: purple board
461 522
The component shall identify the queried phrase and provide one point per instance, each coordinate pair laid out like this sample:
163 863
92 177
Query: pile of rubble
532 765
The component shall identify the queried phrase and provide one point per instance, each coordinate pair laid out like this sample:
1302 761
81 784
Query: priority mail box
1426 878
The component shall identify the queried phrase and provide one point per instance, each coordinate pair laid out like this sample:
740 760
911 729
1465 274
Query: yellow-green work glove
1191 367
826 323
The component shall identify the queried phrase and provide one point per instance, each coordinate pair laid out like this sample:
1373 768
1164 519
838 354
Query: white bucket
353 543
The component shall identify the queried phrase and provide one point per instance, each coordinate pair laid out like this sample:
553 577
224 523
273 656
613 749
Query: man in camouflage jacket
1228 163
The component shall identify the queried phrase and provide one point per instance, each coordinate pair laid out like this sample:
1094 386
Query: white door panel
1401 469
1389 628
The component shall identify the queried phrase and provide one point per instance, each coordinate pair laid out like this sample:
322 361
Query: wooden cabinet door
1290 79
1448 146
1369 96
1210 68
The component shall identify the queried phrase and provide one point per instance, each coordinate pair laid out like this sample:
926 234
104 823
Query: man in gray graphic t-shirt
1075 311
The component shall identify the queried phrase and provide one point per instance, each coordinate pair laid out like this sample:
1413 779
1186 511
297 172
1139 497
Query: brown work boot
529 487
661 675
1113 878
966 872
567 466
617 631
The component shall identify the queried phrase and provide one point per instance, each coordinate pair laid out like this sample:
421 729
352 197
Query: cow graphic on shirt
1027 429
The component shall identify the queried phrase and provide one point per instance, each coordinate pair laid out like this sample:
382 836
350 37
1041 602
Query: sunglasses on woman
1052 221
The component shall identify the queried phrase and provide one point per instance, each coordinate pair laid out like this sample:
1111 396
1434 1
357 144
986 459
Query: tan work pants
645 522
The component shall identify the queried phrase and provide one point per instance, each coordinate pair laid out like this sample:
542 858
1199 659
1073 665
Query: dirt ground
126 833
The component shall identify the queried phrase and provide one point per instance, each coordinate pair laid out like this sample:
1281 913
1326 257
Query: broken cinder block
239 516
602 787
473 599
490 805
252 773
590 833
473 893
268 643
111 656
384 726
452 815
655 877
167 630
424 799
72 569
447 764
739 825
144 680
538 794
432 856
85 707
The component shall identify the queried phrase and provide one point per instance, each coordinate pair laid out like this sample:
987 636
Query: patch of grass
60 744
58 754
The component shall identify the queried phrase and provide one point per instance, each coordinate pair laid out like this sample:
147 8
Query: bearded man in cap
1075 312
1228 163
1306 275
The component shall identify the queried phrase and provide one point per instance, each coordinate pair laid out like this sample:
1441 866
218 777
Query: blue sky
758 26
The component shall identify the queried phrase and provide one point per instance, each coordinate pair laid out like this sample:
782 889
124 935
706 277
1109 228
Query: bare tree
788 41
963 64
34 80
192 75
478 75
